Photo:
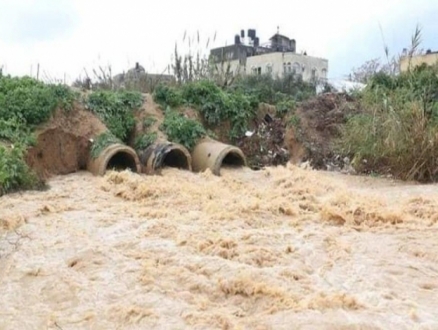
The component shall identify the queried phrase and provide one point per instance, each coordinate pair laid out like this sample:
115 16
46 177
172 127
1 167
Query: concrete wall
279 63
429 59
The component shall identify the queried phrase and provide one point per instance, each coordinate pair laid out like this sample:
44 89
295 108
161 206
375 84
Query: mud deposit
283 248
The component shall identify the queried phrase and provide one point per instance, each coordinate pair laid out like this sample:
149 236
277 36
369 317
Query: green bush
16 131
181 129
284 107
102 142
25 103
149 122
217 105
294 121
144 141
116 110
397 132
31 101
238 103
14 172
167 96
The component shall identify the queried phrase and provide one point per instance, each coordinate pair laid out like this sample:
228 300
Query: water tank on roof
293 45
237 40
251 34
256 42
242 33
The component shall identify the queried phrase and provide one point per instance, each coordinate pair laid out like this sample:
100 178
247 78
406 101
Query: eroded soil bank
282 248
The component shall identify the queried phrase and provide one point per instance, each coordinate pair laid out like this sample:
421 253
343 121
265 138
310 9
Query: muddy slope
63 143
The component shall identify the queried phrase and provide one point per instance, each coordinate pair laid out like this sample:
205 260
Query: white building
278 57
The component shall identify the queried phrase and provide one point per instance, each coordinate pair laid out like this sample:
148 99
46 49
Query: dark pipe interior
122 161
176 158
233 159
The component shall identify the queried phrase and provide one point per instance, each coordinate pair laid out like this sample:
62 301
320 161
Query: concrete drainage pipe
115 157
165 154
214 155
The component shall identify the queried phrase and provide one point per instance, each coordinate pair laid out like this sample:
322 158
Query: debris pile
265 145
319 125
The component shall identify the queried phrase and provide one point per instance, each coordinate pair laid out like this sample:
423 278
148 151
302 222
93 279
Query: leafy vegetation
144 141
397 132
31 101
167 96
24 104
102 142
213 103
14 172
116 110
181 129
284 107
149 122
237 103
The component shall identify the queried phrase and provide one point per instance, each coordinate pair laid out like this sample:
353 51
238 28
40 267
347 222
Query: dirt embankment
63 143
306 135
319 125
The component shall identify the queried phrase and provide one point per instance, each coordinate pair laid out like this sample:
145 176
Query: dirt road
283 248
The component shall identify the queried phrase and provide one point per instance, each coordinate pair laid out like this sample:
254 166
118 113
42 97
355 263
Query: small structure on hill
137 78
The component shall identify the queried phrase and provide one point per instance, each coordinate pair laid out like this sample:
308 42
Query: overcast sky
66 36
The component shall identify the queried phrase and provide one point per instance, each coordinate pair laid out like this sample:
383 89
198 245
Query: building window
256 70
314 73
289 67
269 68
324 73
297 69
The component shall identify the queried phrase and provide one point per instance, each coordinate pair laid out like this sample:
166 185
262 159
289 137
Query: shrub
116 110
145 140
284 107
181 129
31 101
397 132
24 103
16 131
149 122
14 172
102 142
167 96
294 121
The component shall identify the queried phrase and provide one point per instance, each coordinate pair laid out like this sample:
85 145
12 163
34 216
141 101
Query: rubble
265 145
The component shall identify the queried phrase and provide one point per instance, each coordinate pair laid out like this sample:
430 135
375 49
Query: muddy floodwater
282 248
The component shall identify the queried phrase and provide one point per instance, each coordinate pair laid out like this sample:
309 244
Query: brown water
283 248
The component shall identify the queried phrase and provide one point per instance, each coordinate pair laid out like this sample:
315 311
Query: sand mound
63 144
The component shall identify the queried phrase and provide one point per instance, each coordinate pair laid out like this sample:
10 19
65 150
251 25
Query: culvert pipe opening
177 159
165 154
121 161
213 155
116 157
233 159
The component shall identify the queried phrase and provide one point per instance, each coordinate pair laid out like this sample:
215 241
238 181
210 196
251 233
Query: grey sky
65 37
23 22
